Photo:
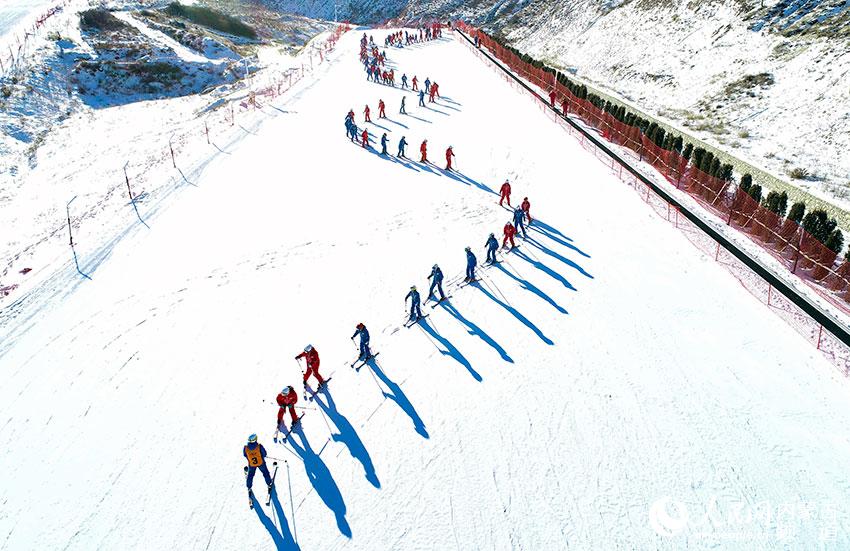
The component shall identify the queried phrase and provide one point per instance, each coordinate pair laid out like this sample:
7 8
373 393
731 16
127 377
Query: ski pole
291 503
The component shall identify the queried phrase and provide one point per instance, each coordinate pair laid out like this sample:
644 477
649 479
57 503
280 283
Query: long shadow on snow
393 159
283 539
447 106
399 397
417 118
347 435
545 269
515 313
436 111
450 100
398 123
463 179
450 349
475 330
532 288
557 256
379 126
321 479
545 233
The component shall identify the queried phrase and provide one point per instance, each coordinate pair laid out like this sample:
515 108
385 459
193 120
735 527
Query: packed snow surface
605 387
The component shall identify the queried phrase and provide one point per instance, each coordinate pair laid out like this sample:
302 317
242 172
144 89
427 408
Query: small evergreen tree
755 192
835 241
746 183
797 211
726 172
819 225
677 144
688 151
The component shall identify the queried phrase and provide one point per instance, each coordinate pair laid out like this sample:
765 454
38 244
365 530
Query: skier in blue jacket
519 216
401 145
436 278
421 98
384 144
471 262
492 246
255 453
413 295
365 353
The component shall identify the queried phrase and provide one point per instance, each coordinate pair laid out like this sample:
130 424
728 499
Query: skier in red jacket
526 207
415 84
287 399
552 97
381 114
449 155
312 357
366 113
423 149
365 138
510 231
505 192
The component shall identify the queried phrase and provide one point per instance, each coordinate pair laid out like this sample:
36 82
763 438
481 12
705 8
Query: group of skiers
406 38
254 453
521 218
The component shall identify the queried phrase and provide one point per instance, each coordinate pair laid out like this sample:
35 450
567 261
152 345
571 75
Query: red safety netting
786 241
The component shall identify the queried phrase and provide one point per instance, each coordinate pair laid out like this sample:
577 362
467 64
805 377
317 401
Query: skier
552 97
365 353
381 114
413 295
384 144
427 85
403 111
421 98
449 155
415 83
526 208
365 138
401 145
519 214
404 81
492 244
423 149
255 453
436 278
471 262
505 192
510 231
366 113
287 400
435 89
432 92
312 357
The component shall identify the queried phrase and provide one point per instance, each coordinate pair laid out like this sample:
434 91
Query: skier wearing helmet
255 453
365 353
413 295
436 278
423 149
471 262
287 399
312 357
449 155
492 244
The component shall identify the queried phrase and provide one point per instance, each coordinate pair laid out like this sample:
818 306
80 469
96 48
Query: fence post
820 335
207 132
769 290
71 236
717 253
171 148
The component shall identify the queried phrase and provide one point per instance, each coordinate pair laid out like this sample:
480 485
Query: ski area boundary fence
219 123
784 240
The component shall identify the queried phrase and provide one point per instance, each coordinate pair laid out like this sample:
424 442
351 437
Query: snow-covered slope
761 80
602 378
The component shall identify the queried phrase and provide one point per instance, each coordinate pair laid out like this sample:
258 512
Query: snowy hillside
761 80
605 387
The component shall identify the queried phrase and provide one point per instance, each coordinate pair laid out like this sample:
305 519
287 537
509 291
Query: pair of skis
282 439
411 323
270 486
358 363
